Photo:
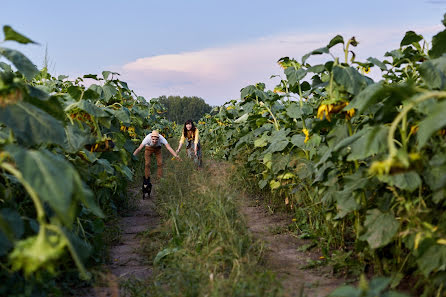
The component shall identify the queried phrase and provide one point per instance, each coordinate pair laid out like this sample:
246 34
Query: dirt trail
125 261
283 256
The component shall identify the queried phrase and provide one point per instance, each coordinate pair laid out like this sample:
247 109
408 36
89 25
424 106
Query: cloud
218 74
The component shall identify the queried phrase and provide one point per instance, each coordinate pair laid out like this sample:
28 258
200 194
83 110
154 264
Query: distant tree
180 109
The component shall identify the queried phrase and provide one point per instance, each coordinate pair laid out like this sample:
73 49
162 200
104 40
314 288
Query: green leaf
50 176
75 92
345 204
409 181
22 63
438 45
76 138
378 63
381 228
109 92
433 259
122 114
432 123
433 73
319 51
279 162
346 291
337 39
31 125
262 141
367 97
298 140
294 111
162 254
410 38
372 141
89 108
11 224
349 78
294 75
278 146
11 34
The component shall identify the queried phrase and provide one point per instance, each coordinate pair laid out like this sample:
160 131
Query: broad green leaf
11 34
319 51
162 254
381 228
345 204
89 108
433 73
22 63
337 39
373 141
294 111
31 125
316 68
122 114
105 74
367 97
109 92
346 291
278 146
350 79
298 140
11 224
262 141
274 184
294 75
409 181
378 63
279 162
50 176
410 38
75 92
438 45
433 259
52 105
431 124
76 138
242 119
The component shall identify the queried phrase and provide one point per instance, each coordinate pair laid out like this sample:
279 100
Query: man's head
155 136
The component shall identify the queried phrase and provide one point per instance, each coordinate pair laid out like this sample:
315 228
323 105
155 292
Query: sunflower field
65 162
360 162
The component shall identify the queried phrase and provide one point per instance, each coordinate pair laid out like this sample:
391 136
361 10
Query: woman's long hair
191 129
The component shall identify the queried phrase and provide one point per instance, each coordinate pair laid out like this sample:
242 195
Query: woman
193 147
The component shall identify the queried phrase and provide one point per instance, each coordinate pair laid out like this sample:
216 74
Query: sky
207 48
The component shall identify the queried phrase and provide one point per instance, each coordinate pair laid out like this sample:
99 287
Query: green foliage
181 109
361 163
65 162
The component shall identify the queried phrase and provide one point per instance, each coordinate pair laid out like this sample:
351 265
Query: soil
283 256
125 261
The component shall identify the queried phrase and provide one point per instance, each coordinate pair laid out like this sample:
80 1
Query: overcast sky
209 49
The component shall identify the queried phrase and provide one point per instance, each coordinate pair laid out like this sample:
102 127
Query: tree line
180 109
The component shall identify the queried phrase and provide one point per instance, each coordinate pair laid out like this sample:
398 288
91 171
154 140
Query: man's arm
138 149
171 150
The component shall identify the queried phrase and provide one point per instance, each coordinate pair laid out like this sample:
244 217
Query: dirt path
125 261
283 256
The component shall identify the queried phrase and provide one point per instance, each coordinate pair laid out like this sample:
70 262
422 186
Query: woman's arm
181 142
196 141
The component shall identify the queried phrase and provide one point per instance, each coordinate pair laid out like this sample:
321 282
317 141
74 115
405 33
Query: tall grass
203 247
